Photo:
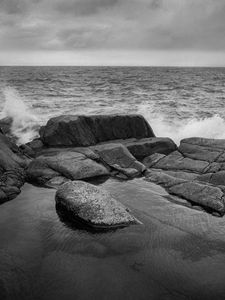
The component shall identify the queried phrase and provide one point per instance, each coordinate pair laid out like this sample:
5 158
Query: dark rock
145 147
217 178
151 160
64 162
198 151
207 196
28 151
118 157
12 164
36 145
92 206
176 161
5 125
159 177
81 131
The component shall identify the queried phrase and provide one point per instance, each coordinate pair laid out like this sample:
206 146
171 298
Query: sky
112 32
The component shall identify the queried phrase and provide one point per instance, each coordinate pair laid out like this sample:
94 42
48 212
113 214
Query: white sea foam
24 123
212 127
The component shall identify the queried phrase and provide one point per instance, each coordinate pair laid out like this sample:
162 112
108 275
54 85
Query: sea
177 102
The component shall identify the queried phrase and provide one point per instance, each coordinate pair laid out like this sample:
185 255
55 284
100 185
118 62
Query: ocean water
177 102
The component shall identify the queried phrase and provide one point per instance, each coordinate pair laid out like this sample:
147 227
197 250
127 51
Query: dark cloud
112 24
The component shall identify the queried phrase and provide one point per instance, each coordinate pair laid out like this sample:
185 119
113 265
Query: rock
79 131
198 151
64 162
118 157
151 160
176 161
28 151
213 178
159 177
33 147
5 125
182 174
207 196
92 206
12 164
148 146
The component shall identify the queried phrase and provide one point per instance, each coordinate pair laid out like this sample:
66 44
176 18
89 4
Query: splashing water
212 127
24 124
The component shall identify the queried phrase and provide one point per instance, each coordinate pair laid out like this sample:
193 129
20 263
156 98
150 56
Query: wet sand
177 253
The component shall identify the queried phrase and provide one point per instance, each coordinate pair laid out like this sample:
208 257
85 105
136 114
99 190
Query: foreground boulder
12 164
79 131
92 206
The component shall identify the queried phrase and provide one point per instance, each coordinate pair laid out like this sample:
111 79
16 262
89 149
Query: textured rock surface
81 131
12 164
200 163
145 147
92 205
63 162
119 158
5 125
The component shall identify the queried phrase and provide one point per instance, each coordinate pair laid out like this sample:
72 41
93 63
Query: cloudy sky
112 32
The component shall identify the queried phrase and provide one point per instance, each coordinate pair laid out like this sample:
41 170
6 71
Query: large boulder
70 130
65 163
92 206
12 164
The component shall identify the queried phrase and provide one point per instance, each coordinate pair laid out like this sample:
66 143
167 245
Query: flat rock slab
92 205
200 163
67 163
80 131
148 146
208 196
118 157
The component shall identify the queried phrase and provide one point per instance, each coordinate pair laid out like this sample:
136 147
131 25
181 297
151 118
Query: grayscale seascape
112 149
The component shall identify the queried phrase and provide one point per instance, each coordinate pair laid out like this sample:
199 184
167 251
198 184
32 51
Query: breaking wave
211 127
24 124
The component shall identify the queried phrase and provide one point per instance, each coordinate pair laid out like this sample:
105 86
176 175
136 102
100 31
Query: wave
25 125
211 127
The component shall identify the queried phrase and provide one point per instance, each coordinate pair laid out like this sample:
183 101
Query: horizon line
121 66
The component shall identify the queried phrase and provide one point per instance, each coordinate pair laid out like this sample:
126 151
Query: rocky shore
74 150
